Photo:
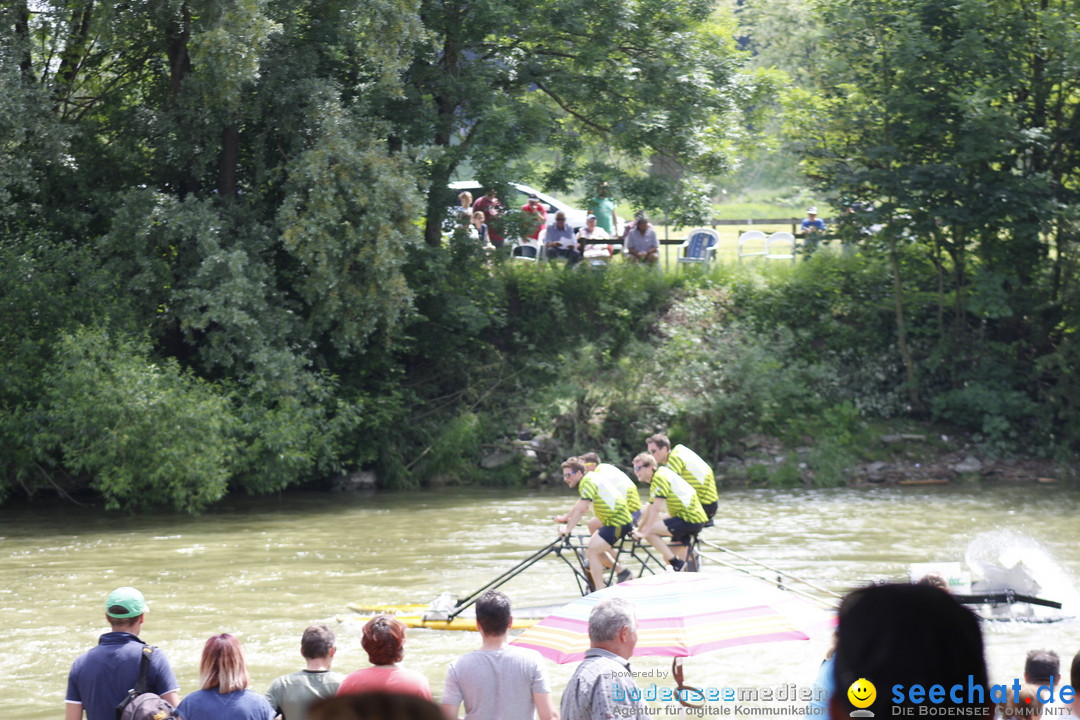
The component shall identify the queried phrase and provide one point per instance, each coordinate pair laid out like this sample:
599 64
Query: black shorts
636 515
709 508
607 533
681 530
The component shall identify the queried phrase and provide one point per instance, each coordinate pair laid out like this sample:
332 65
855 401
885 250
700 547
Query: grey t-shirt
292 694
496 684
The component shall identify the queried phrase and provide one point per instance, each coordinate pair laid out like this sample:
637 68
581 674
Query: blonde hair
223 666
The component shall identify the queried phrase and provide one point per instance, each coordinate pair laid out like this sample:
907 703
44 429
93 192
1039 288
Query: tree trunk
72 55
22 32
227 161
901 330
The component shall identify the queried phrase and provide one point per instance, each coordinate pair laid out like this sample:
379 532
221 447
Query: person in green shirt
608 503
603 207
673 511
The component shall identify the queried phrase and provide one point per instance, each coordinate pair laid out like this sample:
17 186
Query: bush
145 432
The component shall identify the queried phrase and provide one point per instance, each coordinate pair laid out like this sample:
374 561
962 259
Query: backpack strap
143 683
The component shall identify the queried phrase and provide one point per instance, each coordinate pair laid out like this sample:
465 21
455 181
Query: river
265 568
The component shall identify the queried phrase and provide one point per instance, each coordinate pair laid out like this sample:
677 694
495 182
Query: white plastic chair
785 239
753 236
529 250
699 246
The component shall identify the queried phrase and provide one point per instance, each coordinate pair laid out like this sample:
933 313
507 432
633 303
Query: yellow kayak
413 617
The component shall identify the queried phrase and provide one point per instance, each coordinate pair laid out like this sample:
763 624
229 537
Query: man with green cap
101 677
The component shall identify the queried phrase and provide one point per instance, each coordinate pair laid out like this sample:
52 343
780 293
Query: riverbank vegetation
222 266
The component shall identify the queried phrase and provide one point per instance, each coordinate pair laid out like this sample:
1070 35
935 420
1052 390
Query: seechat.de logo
862 694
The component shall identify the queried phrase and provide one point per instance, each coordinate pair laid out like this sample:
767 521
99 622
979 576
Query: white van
574 216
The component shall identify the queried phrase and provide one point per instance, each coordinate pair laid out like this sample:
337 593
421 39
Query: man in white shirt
498 681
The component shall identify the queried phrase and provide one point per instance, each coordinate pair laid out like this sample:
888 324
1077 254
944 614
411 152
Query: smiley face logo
862 693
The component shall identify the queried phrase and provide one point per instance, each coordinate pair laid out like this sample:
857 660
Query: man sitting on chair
673 510
609 504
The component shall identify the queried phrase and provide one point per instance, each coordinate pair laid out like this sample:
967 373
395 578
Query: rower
690 467
633 502
633 498
673 510
608 503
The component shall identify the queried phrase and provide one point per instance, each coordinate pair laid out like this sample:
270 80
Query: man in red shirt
536 209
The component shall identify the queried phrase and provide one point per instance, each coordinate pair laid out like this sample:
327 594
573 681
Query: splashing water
1009 560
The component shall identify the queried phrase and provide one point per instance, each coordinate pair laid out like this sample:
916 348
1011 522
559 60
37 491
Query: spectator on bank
465 200
560 239
812 223
499 680
534 219
593 240
590 693
101 677
811 229
1025 704
491 207
642 245
384 641
603 207
1042 668
481 229
907 635
223 682
291 695
375 706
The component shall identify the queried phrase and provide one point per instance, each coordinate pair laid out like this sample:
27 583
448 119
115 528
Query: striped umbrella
682 614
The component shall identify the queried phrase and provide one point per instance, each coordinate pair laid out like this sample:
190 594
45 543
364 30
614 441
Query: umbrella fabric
679 614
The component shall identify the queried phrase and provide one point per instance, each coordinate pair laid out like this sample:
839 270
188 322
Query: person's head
1074 671
493 613
572 471
906 635
613 626
222 665
491 192
641 220
560 219
478 218
383 639
317 642
590 221
1042 667
645 467
465 198
602 189
374 706
811 212
534 200
590 460
934 580
1025 704
659 447
124 609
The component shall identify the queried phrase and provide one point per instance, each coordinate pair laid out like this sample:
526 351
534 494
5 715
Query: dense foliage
221 264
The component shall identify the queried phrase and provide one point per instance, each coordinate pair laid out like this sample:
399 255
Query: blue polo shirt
101 677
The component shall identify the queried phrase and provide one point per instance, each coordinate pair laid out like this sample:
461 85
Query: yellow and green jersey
691 468
621 479
608 499
681 498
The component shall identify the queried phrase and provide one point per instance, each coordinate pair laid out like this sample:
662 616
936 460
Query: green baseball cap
125 602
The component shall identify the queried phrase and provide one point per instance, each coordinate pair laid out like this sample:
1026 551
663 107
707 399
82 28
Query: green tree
954 119
492 81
